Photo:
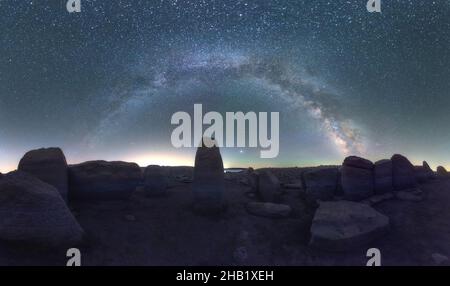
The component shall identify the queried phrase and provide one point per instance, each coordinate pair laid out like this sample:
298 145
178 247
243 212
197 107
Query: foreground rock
357 178
343 225
101 180
34 212
383 177
48 165
442 172
428 170
155 181
252 180
322 183
269 210
209 183
403 173
268 186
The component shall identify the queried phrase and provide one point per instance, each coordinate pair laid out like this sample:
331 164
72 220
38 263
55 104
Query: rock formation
383 177
48 165
344 225
442 172
403 173
321 183
34 212
101 180
357 178
209 183
269 210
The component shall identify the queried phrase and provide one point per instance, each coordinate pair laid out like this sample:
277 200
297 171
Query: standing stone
442 172
268 187
34 212
383 177
321 184
344 225
209 183
357 178
403 173
48 165
155 181
101 180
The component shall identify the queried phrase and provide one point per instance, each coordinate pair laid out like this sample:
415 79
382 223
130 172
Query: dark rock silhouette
442 172
383 177
421 174
49 165
403 173
321 183
101 180
252 180
209 183
357 178
428 170
344 225
155 181
34 212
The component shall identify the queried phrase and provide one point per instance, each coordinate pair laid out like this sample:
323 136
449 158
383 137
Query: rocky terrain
118 213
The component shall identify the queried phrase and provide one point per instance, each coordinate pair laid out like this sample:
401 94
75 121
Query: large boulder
403 173
209 183
49 165
322 183
344 225
268 186
155 181
252 179
383 177
357 178
442 172
101 180
34 212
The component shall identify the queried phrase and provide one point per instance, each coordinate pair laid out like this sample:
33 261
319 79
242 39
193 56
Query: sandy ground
164 231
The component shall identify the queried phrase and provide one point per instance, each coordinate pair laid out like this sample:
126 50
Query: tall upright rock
209 182
403 173
50 166
357 178
428 170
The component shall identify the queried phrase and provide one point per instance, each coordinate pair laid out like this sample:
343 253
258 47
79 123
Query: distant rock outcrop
209 182
321 183
383 177
442 172
428 170
34 212
344 225
101 180
268 186
155 181
49 165
357 178
403 173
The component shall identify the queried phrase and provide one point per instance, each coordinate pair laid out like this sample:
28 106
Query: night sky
104 83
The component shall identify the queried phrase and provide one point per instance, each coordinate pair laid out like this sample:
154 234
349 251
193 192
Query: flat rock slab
344 225
269 210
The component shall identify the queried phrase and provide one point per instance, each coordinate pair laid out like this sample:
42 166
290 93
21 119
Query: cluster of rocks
345 219
359 179
34 198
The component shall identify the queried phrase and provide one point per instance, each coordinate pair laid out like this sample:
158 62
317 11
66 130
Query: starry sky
104 83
